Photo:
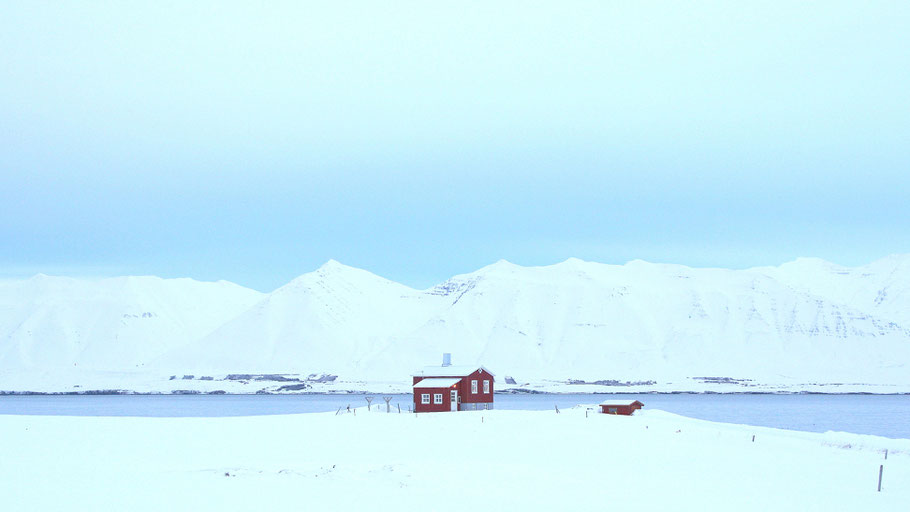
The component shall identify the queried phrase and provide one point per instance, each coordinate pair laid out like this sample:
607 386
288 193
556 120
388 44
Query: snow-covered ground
494 460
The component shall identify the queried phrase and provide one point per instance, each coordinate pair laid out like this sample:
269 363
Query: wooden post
880 469
387 399
399 408
753 438
557 408
339 410
886 454
369 400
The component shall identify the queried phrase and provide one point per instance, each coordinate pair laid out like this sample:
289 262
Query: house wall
431 407
464 393
464 388
475 406
620 409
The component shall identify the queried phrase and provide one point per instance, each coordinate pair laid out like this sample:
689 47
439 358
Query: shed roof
621 402
436 383
450 371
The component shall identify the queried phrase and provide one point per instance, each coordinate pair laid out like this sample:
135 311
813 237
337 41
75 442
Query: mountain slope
805 321
110 324
574 319
332 319
881 288
642 321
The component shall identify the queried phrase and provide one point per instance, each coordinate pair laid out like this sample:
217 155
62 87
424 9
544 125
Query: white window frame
473 387
486 386
437 398
425 398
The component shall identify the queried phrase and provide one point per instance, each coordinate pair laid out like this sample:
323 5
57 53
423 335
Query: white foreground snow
495 460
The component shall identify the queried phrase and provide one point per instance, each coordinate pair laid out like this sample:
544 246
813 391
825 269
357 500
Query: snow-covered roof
450 371
619 402
436 383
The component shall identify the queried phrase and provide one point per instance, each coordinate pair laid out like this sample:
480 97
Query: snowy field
502 460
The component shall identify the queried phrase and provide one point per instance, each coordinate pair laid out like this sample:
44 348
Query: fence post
880 469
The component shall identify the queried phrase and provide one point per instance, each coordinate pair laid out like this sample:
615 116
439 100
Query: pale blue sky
423 139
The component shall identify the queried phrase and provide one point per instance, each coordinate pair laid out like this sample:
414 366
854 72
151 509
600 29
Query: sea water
882 415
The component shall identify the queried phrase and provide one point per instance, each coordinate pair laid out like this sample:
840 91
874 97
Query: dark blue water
883 415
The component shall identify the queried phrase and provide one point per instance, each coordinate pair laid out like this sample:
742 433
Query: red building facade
453 388
620 407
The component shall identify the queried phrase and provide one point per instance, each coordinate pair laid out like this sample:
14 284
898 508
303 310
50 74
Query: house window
474 387
425 398
612 410
486 386
437 398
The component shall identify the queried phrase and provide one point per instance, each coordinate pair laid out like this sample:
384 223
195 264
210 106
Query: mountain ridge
808 319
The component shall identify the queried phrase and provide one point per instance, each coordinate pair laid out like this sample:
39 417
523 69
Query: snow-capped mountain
55 323
805 321
574 319
881 288
335 318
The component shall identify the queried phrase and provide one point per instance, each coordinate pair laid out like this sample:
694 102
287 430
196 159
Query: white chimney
447 359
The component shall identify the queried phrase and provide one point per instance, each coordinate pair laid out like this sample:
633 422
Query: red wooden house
626 407
452 388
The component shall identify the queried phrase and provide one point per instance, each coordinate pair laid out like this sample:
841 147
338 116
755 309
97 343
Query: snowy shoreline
142 383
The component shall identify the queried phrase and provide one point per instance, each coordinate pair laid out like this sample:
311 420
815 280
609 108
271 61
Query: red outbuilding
452 388
620 407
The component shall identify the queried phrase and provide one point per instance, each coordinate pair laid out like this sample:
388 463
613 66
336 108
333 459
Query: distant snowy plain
575 326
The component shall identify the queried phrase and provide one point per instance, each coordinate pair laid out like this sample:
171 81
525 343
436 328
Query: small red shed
452 388
620 406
